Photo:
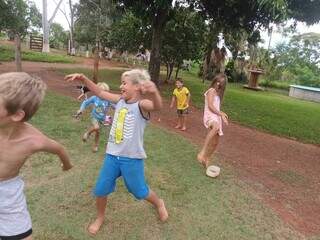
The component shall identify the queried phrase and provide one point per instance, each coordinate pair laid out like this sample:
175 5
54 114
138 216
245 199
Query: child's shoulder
186 89
31 136
211 91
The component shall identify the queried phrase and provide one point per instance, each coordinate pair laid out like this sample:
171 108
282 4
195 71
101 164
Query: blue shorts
132 171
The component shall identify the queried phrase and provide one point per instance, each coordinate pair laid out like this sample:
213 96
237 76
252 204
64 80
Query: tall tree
19 16
158 12
96 16
182 39
128 34
46 24
70 19
58 36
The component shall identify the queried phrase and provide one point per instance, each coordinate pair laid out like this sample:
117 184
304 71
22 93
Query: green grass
275 84
61 204
274 113
7 54
268 111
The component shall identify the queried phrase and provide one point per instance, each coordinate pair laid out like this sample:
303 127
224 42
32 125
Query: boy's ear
18 116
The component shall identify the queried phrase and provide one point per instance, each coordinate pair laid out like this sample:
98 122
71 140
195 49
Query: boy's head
103 86
131 82
136 76
179 83
20 92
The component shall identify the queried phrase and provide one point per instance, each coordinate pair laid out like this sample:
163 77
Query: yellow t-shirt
181 97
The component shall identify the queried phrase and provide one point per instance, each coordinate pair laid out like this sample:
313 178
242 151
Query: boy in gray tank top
125 153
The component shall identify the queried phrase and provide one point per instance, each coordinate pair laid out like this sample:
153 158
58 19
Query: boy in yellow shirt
181 96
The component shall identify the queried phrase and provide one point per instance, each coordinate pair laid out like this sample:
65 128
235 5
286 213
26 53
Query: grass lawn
271 112
61 204
7 54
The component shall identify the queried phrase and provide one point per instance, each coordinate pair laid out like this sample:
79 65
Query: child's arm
154 100
93 87
173 99
188 99
48 145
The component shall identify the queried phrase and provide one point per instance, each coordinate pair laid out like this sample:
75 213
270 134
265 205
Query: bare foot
163 214
183 129
95 149
85 136
95 226
177 127
202 160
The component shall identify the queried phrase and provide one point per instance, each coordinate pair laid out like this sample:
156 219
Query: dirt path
284 174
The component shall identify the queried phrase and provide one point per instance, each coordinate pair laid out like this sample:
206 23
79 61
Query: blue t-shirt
100 109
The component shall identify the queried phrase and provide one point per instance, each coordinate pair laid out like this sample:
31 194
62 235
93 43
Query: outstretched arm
51 146
153 100
93 87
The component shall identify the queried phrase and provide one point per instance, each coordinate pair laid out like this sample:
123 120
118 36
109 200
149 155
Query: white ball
213 171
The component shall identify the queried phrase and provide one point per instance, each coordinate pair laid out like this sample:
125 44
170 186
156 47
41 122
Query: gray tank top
126 134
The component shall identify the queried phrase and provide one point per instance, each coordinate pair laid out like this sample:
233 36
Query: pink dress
208 116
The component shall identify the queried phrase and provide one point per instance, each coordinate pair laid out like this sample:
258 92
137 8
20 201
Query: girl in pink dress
213 118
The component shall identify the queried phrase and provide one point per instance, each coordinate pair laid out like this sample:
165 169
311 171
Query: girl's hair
137 75
19 90
103 86
219 83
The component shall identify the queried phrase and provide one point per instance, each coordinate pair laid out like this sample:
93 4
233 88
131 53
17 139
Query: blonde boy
125 152
98 115
20 97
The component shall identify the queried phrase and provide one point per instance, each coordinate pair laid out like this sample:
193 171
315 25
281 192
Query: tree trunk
177 71
72 45
45 26
18 52
171 65
158 25
96 64
167 76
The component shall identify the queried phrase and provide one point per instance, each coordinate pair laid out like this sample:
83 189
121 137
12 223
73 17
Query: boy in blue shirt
98 115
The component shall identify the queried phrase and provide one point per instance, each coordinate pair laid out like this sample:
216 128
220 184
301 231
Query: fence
36 42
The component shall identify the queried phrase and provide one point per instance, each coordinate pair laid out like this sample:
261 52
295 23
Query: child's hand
171 105
66 167
148 87
75 76
77 115
224 117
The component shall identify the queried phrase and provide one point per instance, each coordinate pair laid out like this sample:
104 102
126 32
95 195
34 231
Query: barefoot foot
183 129
201 160
163 214
95 226
177 126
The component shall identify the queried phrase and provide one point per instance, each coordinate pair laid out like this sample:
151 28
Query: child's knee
96 128
214 127
141 194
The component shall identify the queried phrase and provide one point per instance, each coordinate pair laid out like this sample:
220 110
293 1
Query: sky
276 36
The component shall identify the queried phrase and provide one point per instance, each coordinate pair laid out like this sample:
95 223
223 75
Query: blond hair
103 86
137 75
20 91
